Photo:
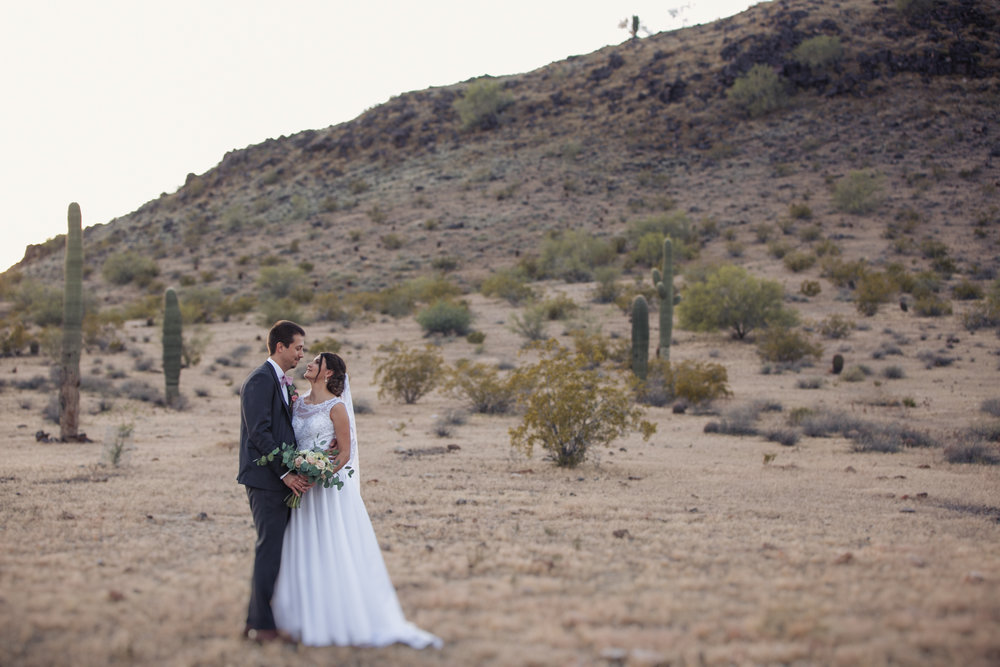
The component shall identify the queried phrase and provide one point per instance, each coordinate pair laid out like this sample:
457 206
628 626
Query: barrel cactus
838 363
69 387
663 281
172 345
640 337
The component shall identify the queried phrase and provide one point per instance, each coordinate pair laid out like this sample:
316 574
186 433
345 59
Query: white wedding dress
333 587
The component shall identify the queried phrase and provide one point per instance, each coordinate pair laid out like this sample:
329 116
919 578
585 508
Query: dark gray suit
265 423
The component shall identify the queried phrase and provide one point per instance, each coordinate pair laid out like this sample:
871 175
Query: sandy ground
687 549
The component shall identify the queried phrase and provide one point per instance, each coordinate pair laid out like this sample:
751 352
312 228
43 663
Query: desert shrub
13 339
800 211
836 326
329 307
966 290
200 304
559 307
819 51
809 383
991 406
401 300
444 424
674 224
510 284
785 344
405 373
273 310
810 288
475 337
572 256
196 340
445 263
778 249
40 303
933 359
783 436
280 282
841 273
731 298
931 305
482 104
893 372
912 9
700 382
445 317
888 438
486 389
873 288
854 373
758 92
393 241
972 451
124 268
827 248
607 288
825 423
859 192
138 390
325 344
570 407
887 349
530 324
763 232
799 261
810 233
658 388
737 420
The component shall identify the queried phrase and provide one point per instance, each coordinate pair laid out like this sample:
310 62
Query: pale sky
111 102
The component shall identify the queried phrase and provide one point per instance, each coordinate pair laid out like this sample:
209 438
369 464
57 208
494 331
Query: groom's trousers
270 516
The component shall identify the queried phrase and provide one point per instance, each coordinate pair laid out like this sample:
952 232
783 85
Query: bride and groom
318 574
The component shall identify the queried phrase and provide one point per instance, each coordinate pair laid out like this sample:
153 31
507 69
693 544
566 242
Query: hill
595 142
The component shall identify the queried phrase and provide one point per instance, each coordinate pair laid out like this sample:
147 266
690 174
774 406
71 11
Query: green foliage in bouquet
316 465
571 406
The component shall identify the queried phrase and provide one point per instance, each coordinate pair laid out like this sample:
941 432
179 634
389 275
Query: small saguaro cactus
640 337
172 345
838 363
663 281
69 386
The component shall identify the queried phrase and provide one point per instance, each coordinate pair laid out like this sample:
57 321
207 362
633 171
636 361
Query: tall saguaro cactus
69 388
640 337
172 344
664 283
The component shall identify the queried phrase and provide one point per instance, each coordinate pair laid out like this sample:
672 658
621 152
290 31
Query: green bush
810 288
124 268
731 298
406 373
931 305
800 211
836 326
784 344
509 284
573 256
327 344
486 389
272 310
818 51
967 290
530 324
482 104
607 289
560 307
799 261
859 192
842 273
445 317
874 288
699 382
280 282
758 92
570 407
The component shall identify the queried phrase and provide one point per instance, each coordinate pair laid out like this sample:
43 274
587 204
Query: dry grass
692 548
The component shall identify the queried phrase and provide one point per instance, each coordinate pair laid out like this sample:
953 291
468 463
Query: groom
266 423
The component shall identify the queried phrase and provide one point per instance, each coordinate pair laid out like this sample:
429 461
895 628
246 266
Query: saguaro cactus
640 337
69 387
663 280
172 344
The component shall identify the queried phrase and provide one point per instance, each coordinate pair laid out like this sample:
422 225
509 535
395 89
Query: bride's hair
333 362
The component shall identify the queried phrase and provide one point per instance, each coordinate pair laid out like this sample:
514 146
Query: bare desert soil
688 549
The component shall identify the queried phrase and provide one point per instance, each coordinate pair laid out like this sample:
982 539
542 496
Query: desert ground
692 548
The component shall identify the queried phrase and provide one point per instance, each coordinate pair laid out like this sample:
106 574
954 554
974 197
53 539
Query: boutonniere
293 393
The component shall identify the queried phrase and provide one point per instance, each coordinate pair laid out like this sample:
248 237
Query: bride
333 587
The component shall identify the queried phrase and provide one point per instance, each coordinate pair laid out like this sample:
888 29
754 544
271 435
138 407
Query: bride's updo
333 362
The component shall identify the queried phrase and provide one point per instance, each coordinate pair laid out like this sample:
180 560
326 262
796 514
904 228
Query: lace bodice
314 428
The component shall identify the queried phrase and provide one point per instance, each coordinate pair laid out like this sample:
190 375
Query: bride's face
314 369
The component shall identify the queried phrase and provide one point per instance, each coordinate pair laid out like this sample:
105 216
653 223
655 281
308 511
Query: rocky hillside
595 142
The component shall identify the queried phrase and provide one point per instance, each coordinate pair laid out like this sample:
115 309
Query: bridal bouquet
316 465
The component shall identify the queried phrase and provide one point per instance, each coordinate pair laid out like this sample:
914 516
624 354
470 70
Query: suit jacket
265 423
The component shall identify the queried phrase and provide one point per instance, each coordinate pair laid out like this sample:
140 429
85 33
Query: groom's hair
283 332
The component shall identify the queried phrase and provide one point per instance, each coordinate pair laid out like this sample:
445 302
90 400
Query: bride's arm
342 431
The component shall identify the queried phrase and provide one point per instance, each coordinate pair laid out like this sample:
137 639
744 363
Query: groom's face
288 357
